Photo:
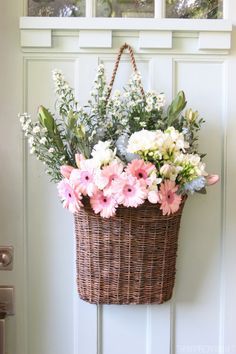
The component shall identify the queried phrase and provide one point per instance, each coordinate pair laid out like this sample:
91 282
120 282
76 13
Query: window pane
62 8
194 8
125 8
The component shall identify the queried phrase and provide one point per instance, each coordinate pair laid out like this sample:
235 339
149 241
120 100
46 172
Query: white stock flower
36 129
31 141
22 119
177 139
25 127
161 99
117 93
170 172
193 160
51 150
43 140
149 100
32 150
148 108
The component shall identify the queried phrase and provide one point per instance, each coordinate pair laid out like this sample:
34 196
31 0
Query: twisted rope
134 65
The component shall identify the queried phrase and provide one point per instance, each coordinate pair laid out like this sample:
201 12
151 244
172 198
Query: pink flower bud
153 197
78 159
66 170
212 179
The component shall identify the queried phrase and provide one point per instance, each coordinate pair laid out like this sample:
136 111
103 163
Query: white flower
117 93
194 160
177 138
143 124
149 100
161 99
43 140
100 68
170 171
116 103
51 150
56 72
131 104
31 141
200 169
148 108
32 150
22 119
142 141
36 129
102 153
25 127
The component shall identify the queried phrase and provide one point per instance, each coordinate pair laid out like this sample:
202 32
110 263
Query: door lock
6 309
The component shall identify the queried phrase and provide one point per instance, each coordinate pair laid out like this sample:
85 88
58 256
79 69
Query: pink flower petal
212 179
78 159
66 170
153 197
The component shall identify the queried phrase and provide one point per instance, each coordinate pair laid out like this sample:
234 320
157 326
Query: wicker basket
128 259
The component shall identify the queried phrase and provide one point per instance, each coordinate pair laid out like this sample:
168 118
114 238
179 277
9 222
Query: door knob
6 258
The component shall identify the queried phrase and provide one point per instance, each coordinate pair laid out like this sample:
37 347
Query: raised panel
124 329
198 286
50 242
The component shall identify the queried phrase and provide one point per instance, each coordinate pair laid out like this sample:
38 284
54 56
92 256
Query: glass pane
125 8
194 9
61 8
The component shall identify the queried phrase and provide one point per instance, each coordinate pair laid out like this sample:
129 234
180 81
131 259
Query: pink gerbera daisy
84 181
129 191
109 174
170 201
70 197
140 169
104 205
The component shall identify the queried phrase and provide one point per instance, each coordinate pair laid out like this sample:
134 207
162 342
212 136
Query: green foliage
57 139
208 9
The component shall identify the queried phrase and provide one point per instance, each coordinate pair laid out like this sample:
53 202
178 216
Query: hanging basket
128 259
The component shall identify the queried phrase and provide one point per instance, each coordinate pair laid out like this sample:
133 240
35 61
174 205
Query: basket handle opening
117 62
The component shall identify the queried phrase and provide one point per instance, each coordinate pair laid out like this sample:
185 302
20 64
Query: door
49 316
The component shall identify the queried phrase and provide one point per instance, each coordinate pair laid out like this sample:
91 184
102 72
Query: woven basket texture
127 259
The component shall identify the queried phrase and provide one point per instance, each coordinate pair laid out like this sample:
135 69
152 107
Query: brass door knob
6 258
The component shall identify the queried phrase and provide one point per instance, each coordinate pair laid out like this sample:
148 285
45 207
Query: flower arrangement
121 149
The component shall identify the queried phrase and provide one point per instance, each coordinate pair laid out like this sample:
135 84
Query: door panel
200 257
127 329
50 242
50 318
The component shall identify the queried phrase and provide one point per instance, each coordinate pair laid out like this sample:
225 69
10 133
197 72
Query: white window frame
159 8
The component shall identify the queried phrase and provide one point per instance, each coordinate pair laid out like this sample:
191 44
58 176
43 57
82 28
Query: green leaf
176 107
46 119
202 191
